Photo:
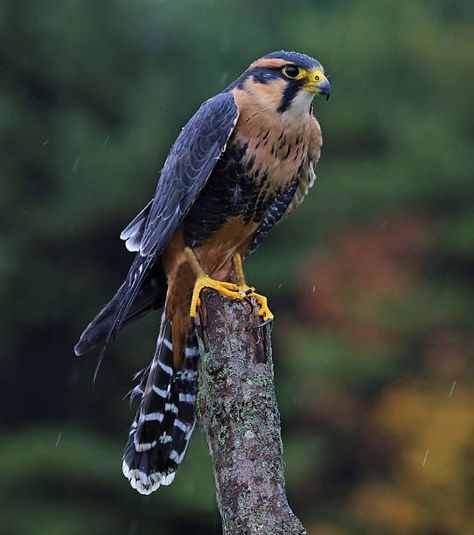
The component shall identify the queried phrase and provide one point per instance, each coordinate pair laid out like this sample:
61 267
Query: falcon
244 161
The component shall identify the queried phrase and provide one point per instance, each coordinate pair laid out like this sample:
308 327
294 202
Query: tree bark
239 414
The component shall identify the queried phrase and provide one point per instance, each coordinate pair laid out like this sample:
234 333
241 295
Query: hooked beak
324 88
318 83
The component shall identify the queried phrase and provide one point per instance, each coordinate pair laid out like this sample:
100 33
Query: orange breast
278 144
215 257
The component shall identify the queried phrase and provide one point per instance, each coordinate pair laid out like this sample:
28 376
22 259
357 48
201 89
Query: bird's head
286 81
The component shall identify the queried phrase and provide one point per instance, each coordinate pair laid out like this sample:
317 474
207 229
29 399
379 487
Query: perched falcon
244 161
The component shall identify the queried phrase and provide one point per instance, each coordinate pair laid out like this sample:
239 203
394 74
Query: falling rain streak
425 458
75 165
451 392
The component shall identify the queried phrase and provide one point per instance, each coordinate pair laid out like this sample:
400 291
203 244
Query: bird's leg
239 270
249 291
229 289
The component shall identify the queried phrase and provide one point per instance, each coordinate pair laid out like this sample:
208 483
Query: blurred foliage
371 279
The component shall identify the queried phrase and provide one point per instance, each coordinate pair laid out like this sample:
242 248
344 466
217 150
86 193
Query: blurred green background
371 280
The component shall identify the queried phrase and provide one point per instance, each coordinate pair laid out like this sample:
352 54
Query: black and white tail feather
165 420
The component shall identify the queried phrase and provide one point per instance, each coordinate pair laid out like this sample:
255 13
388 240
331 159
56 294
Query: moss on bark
239 414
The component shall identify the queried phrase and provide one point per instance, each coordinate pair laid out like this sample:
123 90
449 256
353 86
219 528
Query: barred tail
162 427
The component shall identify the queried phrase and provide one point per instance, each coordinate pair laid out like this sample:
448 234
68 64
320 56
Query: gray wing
189 164
186 170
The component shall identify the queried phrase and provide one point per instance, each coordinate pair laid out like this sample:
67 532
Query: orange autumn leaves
363 270
376 300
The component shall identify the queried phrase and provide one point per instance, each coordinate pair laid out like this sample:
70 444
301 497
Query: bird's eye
291 71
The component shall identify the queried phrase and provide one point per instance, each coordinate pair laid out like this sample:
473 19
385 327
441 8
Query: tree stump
239 414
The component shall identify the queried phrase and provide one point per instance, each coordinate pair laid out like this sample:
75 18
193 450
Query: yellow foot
229 289
264 311
240 291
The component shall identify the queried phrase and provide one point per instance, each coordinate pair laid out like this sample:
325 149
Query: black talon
247 299
249 302
264 324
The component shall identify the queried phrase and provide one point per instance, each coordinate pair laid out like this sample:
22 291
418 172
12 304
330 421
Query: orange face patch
269 63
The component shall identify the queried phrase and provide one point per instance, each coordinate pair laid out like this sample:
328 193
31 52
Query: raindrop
75 165
425 458
224 78
106 141
451 392
59 438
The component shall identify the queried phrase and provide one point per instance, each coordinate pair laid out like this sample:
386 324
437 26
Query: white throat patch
301 103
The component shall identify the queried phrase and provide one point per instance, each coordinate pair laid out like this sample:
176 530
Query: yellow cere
314 77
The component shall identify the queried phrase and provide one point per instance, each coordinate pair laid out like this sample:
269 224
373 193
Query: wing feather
186 170
132 234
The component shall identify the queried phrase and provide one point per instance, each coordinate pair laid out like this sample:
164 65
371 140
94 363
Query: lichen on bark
239 414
